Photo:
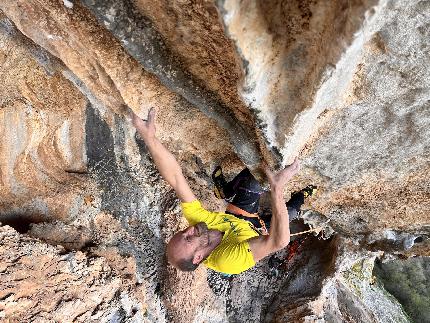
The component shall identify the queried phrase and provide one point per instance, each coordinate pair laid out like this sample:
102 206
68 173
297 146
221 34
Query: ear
198 257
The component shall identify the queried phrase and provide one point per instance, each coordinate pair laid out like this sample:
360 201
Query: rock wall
62 286
343 84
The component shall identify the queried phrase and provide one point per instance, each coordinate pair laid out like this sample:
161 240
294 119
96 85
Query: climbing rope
317 229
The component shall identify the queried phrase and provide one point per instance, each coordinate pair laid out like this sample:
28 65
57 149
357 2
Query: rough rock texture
143 42
353 294
378 180
362 128
287 49
345 84
42 283
42 132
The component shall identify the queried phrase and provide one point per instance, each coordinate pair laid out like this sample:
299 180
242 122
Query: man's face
186 243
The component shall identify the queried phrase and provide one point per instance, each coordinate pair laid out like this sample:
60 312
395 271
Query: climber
223 242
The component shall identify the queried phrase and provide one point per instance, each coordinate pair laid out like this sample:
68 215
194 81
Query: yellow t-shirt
233 255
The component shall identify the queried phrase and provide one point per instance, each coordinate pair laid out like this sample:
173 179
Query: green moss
409 282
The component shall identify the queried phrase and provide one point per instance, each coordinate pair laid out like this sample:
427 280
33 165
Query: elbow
281 243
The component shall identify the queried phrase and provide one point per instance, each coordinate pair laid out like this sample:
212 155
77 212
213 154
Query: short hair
187 264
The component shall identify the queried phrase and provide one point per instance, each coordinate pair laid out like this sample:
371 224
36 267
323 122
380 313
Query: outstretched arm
166 163
279 234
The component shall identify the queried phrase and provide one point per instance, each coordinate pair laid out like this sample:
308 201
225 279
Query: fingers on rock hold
151 114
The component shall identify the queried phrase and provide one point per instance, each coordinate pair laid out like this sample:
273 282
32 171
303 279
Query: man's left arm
166 163
279 234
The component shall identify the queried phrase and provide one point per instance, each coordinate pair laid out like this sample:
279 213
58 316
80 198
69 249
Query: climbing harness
238 211
220 183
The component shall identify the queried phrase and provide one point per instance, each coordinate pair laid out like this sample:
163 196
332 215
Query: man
222 241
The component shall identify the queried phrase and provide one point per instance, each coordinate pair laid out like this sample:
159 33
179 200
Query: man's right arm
279 234
166 163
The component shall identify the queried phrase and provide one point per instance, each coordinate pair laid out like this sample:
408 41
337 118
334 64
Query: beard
203 234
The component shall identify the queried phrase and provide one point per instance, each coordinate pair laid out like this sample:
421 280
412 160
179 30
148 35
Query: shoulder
194 212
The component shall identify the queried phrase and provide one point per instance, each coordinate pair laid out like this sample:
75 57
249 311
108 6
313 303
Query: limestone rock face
85 214
380 164
357 116
287 49
41 282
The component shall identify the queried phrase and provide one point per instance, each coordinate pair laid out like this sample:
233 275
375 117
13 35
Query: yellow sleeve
194 213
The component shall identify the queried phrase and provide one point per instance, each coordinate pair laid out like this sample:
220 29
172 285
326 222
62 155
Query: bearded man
221 241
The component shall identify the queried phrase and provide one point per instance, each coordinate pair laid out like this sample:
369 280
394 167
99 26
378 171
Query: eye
188 239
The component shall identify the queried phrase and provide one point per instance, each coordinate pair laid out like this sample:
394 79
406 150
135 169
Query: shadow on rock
279 288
